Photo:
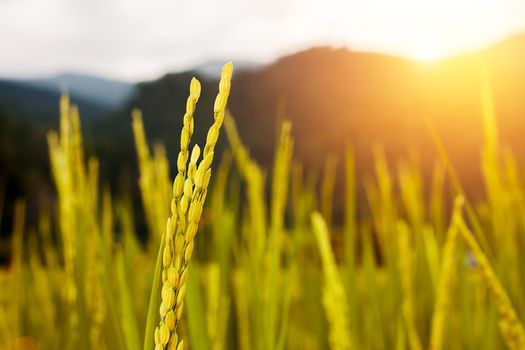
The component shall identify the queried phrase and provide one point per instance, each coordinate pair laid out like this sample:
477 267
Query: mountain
105 92
336 97
212 69
115 144
27 113
25 102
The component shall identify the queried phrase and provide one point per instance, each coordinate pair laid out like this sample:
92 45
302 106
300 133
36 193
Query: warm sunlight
430 30
262 174
421 29
427 55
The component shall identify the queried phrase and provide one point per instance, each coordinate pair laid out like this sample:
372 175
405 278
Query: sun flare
426 55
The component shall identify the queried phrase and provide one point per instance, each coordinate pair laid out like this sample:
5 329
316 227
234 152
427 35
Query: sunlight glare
426 55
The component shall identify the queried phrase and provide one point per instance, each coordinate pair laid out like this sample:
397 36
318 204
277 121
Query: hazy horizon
127 40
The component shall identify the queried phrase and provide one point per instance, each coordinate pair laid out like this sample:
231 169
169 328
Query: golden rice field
228 267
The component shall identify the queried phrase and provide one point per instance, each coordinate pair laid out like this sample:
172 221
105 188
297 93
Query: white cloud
138 39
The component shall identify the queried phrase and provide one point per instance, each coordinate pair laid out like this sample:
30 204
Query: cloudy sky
139 39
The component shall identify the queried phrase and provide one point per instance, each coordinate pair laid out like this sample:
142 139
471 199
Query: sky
137 40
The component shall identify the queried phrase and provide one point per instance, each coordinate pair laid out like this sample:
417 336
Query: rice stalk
242 309
253 257
274 281
334 296
153 181
447 280
254 178
189 193
17 289
510 326
327 188
406 268
436 206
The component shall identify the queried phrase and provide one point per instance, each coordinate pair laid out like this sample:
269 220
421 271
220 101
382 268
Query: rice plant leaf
154 298
126 304
197 323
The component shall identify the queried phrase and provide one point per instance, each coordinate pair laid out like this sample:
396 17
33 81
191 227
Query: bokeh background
365 74
367 190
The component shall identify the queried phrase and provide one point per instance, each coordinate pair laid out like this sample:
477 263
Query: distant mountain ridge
29 103
334 98
110 93
212 69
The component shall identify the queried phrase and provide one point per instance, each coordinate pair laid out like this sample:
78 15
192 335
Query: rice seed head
184 203
199 178
511 327
172 345
184 277
190 105
191 171
170 320
227 72
163 309
178 185
206 162
206 180
224 85
179 244
168 295
164 334
195 211
188 251
173 225
220 102
173 206
172 277
64 105
191 125
170 301
195 154
181 294
191 231
166 256
195 88
219 118
213 135
186 208
178 311
157 335
170 229
188 188
178 262
181 161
